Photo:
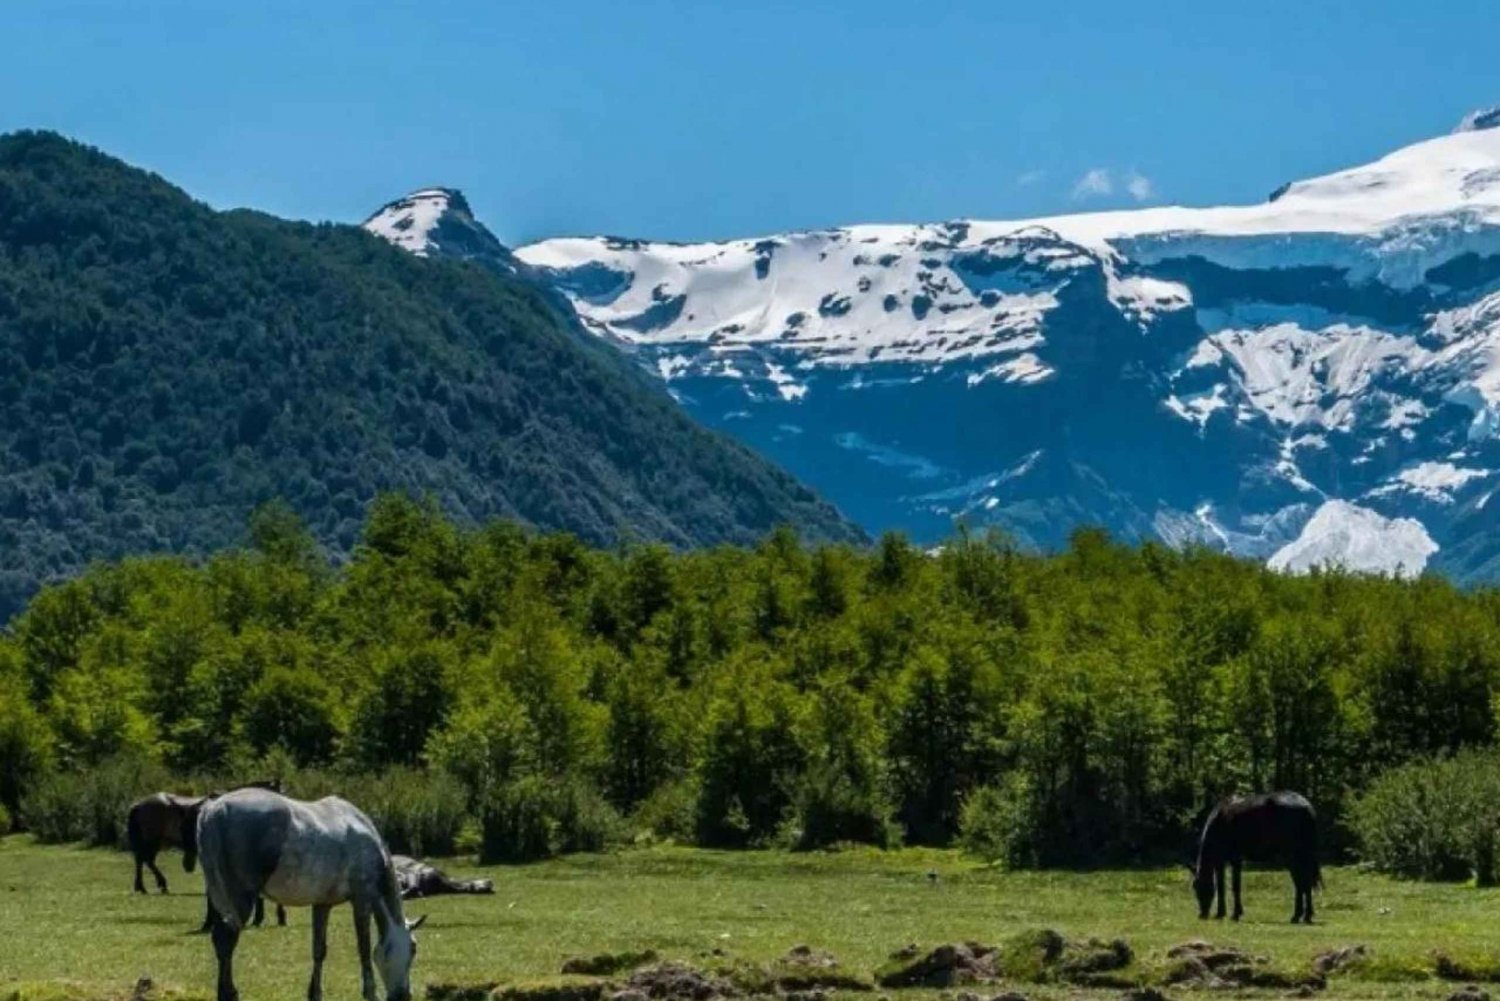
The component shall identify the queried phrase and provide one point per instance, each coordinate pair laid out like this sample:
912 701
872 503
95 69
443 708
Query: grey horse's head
394 955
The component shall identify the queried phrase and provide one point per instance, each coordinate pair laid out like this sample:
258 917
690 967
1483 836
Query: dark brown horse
166 820
1270 827
159 821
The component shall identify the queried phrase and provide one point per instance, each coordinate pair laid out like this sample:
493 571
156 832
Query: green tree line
1069 708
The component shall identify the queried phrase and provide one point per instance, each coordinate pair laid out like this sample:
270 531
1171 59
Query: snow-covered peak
437 222
1484 118
408 222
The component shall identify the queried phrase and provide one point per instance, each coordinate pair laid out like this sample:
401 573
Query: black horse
1270 827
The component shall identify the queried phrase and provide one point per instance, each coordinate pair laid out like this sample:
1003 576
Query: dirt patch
1338 960
1200 964
608 963
806 955
1479 970
1470 993
581 990
538 990
446 991
1041 956
949 965
674 981
1044 956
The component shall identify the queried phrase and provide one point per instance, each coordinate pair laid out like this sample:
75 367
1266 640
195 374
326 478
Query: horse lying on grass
1277 826
418 879
256 842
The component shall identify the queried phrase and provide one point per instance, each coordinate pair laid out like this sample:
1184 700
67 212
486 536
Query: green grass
70 927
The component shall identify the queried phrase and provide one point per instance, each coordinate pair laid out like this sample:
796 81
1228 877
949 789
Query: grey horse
318 855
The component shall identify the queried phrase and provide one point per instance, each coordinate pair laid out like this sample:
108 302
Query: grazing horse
1277 826
318 855
418 879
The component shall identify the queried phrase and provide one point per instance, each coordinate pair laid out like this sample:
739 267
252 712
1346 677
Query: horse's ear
414 925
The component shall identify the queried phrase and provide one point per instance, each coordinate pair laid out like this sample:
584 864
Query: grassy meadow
70 927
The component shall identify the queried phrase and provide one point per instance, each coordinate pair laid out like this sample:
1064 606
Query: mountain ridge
165 367
1198 375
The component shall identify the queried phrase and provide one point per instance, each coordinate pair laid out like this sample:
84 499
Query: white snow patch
408 222
1341 534
1435 481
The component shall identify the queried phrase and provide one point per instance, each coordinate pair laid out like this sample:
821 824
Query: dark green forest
1072 708
165 367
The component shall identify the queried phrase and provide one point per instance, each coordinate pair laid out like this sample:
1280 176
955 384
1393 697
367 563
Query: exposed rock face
1214 376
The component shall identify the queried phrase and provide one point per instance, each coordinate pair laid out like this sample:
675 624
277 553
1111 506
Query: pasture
71 928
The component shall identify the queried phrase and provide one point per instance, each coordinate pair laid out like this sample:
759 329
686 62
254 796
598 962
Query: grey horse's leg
260 912
319 951
362 942
1238 909
225 939
280 916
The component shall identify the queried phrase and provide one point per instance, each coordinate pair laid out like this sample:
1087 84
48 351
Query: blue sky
702 120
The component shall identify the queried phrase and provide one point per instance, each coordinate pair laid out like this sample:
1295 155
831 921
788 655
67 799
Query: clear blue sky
698 120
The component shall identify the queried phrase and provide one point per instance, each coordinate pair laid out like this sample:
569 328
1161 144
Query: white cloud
1029 177
1094 184
1140 187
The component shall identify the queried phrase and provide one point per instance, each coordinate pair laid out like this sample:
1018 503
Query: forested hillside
1068 708
165 367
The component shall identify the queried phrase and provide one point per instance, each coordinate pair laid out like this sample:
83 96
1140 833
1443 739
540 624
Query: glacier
1310 380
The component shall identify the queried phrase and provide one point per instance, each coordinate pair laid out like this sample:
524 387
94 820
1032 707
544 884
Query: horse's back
297 853
1269 825
157 820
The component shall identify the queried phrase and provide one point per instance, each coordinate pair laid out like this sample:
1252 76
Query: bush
5 823
534 818
829 807
585 821
91 806
1436 819
669 811
997 824
516 822
418 813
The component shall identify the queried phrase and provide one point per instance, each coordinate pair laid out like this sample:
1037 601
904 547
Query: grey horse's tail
213 856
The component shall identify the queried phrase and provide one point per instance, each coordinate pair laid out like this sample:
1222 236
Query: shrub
669 811
418 813
585 821
829 807
1436 819
534 818
516 822
91 806
750 756
997 823
5 824
25 747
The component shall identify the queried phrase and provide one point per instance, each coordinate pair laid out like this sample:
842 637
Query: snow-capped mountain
438 222
1312 379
